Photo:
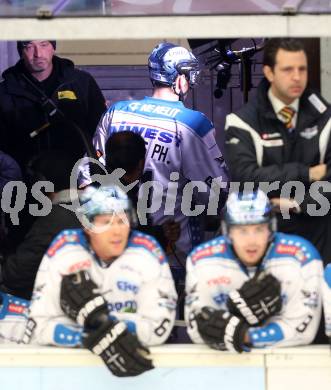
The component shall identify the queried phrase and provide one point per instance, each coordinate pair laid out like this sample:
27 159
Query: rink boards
177 367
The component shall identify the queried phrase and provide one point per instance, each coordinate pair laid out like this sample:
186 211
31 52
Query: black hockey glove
121 351
257 299
80 302
221 330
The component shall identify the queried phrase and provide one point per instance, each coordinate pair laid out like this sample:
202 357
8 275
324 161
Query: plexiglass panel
65 8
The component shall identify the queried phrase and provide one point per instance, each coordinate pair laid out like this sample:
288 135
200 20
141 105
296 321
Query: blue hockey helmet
167 61
108 199
248 208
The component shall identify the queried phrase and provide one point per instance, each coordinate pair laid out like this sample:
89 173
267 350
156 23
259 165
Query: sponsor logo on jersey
220 299
123 285
17 309
167 111
219 280
80 265
167 301
62 241
208 252
310 298
148 133
291 250
125 307
149 245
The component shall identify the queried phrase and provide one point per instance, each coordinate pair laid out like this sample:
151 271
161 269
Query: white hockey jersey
179 141
138 287
327 299
213 271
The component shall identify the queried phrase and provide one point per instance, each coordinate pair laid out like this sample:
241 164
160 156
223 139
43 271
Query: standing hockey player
253 287
183 162
106 287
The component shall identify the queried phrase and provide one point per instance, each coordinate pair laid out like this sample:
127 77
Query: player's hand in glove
257 299
80 301
221 330
120 350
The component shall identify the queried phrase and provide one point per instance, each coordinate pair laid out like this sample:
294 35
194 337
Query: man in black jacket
282 136
19 268
25 108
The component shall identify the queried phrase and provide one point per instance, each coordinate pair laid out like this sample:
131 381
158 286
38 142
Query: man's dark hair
22 44
274 44
124 150
158 84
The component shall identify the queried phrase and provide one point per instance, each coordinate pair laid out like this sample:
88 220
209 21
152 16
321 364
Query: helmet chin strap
181 95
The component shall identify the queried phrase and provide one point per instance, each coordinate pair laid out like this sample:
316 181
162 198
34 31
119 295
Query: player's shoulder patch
66 237
214 248
144 241
295 247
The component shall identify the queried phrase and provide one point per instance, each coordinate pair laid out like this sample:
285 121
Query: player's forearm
285 333
56 333
150 330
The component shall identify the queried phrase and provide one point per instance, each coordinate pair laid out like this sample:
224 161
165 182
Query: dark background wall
132 82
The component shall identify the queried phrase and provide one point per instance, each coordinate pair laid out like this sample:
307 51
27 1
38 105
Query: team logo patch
208 252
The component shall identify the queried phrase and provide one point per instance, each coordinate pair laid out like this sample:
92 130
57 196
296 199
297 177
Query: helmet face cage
248 209
106 200
167 61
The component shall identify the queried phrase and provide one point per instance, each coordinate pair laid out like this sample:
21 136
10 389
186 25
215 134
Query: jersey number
160 330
